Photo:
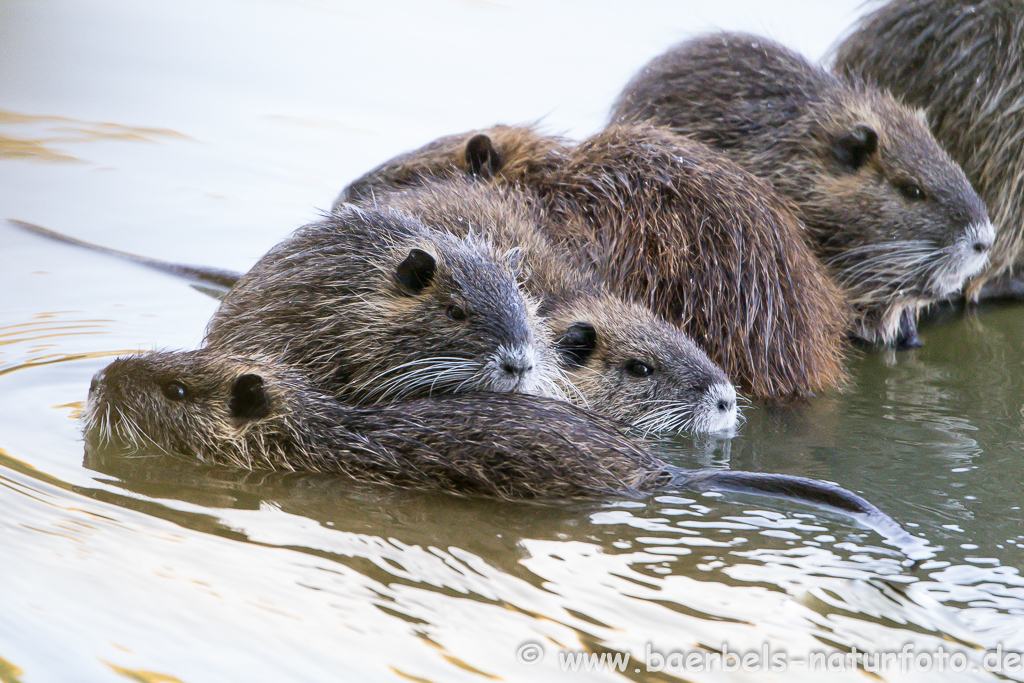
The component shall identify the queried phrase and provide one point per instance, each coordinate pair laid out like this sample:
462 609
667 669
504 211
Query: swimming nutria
891 214
964 64
261 414
680 228
624 361
374 305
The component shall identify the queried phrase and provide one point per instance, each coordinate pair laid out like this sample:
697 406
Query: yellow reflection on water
39 136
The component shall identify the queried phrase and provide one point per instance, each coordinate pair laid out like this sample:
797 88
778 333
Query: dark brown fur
622 360
683 230
374 305
963 62
256 414
891 214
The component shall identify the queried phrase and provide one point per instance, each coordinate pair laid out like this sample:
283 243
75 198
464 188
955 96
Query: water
203 132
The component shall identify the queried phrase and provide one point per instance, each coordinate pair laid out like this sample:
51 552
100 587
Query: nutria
680 228
375 305
624 361
890 213
260 414
964 64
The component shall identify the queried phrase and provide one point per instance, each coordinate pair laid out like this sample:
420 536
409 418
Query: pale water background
204 132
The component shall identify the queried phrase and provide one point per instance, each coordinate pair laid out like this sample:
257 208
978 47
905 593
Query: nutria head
964 64
628 363
374 305
893 217
194 404
889 212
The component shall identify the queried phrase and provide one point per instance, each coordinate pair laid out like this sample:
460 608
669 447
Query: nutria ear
576 345
416 271
853 148
248 399
483 160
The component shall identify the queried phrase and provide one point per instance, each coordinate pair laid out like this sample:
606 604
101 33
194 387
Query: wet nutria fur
680 228
374 305
963 62
623 360
891 214
264 415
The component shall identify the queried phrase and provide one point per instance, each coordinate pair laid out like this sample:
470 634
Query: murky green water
204 133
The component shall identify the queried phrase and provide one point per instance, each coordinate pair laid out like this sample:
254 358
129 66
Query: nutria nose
725 405
982 246
516 368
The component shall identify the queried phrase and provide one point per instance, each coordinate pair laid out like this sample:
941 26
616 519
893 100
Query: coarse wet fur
891 214
374 305
621 359
260 414
677 227
963 63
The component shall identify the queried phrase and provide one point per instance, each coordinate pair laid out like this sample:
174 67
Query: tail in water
810 491
212 281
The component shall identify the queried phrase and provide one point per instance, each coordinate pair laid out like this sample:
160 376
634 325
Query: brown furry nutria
682 229
374 305
263 415
963 62
891 214
622 359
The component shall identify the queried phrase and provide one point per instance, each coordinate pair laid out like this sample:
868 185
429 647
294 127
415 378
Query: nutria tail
812 492
213 281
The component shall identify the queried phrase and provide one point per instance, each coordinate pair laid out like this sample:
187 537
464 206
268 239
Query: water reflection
42 138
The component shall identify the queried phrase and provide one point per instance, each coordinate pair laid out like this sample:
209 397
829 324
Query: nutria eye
911 191
639 368
456 313
174 391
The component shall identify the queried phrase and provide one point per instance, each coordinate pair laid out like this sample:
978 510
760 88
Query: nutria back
620 358
257 413
964 64
374 304
891 214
